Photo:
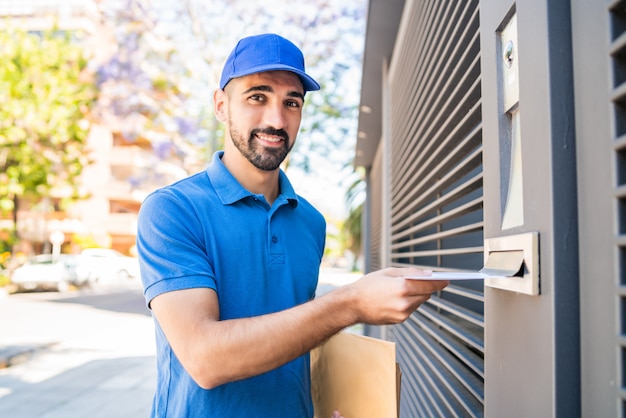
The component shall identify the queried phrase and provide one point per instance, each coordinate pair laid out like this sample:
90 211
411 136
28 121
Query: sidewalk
12 354
66 358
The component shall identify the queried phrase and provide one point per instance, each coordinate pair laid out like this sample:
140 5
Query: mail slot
512 263
504 264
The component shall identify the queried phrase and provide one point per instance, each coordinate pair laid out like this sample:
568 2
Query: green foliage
7 240
46 94
5 257
352 228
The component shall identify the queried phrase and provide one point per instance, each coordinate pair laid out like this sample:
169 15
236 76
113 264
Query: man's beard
263 158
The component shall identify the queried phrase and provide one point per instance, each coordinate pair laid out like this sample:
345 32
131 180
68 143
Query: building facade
492 134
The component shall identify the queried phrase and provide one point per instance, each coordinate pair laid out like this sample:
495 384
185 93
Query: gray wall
599 243
531 342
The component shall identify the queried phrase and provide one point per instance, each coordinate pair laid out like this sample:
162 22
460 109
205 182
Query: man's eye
257 97
293 103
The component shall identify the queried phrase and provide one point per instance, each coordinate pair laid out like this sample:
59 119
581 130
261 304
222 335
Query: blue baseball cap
267 52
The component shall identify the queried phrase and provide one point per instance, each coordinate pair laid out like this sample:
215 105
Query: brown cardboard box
356 375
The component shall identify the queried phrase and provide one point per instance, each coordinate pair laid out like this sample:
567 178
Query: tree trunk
14 233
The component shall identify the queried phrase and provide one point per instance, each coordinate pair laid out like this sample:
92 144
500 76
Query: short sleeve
171 246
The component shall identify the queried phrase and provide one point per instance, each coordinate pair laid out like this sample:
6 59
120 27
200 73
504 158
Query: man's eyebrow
296 94
259 88
269 89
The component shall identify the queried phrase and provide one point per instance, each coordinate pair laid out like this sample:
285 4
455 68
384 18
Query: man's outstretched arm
216 352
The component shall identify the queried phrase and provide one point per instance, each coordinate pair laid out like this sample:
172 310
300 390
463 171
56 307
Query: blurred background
103 101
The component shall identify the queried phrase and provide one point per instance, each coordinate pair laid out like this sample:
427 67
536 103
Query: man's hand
386 297
336 414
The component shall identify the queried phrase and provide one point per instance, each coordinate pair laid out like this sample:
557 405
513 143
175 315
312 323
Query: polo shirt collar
229 190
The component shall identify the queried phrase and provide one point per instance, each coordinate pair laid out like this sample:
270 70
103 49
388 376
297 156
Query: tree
146 86
46 93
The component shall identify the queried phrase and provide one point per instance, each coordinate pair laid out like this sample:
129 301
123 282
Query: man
230 259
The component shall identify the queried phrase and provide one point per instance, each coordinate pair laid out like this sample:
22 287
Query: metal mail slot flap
504 264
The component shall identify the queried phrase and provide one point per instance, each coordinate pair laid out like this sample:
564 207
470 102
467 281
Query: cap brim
308 82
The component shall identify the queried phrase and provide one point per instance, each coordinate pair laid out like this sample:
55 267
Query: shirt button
274 239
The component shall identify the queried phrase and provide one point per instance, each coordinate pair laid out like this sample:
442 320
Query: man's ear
219 105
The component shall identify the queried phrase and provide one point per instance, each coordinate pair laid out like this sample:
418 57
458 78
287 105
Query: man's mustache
271 131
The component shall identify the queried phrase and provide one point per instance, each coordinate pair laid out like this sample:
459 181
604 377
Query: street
86 353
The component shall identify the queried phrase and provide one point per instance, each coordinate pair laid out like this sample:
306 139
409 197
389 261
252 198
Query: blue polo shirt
208 231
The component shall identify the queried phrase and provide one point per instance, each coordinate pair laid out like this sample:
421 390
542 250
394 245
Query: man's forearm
240 348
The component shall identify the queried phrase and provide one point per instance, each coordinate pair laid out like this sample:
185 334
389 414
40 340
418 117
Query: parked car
105 264
47 272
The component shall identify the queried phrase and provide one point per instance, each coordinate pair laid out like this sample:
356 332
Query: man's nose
275 116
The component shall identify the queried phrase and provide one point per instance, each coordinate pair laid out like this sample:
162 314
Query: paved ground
93 356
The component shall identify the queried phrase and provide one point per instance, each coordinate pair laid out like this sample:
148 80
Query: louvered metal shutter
618 53
436 218
375 212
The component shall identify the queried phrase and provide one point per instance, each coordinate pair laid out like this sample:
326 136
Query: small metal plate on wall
527 280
